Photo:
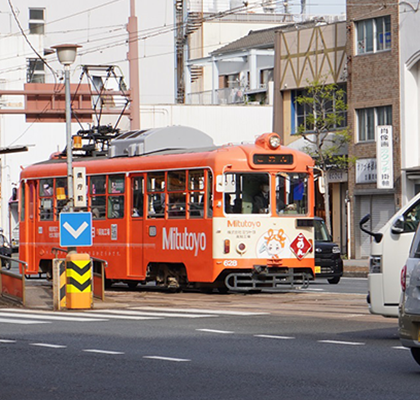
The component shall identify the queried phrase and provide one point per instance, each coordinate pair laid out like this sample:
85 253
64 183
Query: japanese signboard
384 157
366 170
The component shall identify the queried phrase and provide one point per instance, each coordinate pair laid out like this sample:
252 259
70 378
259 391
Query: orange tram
169 206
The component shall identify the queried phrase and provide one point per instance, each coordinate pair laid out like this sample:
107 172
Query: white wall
225 124
410 92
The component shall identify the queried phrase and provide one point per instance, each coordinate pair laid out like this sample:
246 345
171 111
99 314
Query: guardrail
98 276
12 285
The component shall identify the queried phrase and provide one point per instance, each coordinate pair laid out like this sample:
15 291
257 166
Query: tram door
136 220
30 222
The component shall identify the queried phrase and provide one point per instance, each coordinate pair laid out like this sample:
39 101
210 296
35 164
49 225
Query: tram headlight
241 248
274 141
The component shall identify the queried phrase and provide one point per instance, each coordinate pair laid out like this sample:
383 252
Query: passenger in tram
261 202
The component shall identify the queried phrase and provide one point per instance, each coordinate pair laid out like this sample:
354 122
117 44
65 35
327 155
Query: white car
409 307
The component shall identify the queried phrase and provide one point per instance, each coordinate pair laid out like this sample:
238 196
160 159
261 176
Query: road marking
52 346
40 315
197 310
7 341
341 342
156 314
85 314
103 351
400 348
75 233
215 331
101 314
22 322
167 358
275 337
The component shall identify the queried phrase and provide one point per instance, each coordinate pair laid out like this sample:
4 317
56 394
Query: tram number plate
317 270
230 263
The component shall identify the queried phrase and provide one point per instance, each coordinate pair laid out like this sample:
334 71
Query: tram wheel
132 284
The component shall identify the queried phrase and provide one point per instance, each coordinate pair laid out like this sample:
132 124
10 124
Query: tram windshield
250 193
292 193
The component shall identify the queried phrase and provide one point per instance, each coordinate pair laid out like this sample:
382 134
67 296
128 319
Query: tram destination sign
274 159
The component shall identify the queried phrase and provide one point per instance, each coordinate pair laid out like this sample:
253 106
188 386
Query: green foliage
323 128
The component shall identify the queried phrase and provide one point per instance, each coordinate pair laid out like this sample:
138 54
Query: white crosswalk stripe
26 316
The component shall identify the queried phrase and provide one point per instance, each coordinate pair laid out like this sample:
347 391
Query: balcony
228 96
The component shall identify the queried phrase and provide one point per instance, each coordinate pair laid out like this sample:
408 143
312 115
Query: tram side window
209 194
137 193
247 193
292 193
61 194
176 194
115 199
98 196
22 201
46 190
156 194
196 193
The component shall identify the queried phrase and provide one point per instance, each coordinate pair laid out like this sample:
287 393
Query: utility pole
133 61
66 54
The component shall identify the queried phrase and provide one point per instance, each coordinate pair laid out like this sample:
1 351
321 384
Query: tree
322 123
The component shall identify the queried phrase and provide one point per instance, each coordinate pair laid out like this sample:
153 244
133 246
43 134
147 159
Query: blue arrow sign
76 229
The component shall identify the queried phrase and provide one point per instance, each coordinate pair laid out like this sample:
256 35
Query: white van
389 251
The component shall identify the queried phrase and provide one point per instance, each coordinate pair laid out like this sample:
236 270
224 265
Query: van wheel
334 281
415 352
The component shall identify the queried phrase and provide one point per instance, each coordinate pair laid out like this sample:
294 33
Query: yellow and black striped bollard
79 281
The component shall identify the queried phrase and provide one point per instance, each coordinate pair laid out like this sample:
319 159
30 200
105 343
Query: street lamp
66 54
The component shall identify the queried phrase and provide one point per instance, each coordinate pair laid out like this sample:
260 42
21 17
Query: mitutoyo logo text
243 224
174 240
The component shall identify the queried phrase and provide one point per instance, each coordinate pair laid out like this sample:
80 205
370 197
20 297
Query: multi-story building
374 100
304 53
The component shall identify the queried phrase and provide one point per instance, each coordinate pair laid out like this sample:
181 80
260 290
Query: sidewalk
356 268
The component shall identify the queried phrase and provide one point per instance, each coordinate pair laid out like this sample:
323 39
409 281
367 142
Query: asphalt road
153 345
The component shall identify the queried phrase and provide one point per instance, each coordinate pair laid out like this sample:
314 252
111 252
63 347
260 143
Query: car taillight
404 278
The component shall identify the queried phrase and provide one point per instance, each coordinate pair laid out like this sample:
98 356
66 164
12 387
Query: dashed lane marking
341 342
275 337
167 358
215 331
49 345
103 351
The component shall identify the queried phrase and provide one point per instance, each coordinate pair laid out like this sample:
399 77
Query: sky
321 7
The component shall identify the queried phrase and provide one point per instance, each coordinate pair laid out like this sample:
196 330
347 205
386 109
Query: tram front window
247 193
292 193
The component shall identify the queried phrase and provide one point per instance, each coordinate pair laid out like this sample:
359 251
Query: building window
36 21
304 113
35 72
373 35
369 118
266 75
